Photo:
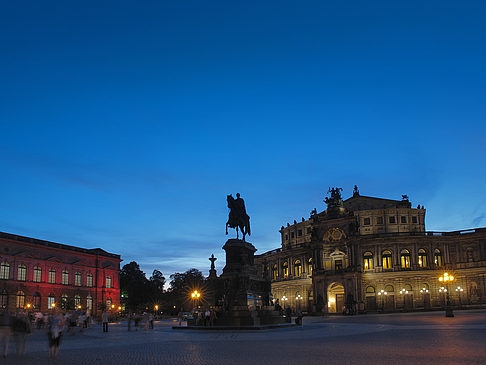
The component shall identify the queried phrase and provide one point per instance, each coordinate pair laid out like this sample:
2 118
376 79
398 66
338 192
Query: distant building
39 275
373 254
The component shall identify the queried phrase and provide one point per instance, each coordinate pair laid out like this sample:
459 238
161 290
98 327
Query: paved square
419 338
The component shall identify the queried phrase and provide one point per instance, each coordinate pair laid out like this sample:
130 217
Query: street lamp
195 297
284 299
446 278
298 298
459 290
382 294
424 292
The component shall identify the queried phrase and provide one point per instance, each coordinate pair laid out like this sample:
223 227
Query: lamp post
446 278
424 292
459 290
382 294
284 300
298 298
195 297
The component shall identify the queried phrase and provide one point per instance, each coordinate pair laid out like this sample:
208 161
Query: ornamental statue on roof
335 200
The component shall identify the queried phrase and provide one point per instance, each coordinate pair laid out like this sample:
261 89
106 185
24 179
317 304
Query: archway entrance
335 298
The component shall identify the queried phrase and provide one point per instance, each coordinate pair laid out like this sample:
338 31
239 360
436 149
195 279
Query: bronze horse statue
237 216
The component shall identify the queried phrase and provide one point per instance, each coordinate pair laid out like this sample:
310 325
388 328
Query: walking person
104 319
54 333
179 317
129 322
21 328
5 331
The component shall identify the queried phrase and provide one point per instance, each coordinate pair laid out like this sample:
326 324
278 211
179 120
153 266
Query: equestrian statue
237 216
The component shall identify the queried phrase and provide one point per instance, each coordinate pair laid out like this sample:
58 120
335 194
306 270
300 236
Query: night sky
124 125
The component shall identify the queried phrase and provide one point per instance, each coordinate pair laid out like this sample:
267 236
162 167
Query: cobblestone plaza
368 339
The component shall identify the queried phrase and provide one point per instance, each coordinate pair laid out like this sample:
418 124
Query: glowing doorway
335 298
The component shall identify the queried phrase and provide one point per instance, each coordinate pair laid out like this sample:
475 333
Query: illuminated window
437 257
37 274
389 289
36 300
285 269
77 301
297 268
20 299
108 281
52 276
309 265
405 259
368 260
65 277
77 279
21 273
89 302
50 301
3 299
386 259
275 272
422 258
89 280
64 301
4 270
370 290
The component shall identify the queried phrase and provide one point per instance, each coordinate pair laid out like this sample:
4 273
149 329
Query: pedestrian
129 322
212 317
179 317
104 320
151 321
136 319
207 314
5 331
54 333
21 329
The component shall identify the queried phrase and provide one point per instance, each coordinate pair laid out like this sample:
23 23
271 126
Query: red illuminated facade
39 275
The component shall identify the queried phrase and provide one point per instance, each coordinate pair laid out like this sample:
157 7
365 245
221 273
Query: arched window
108 281
37 274
386 259
77 302
20 299
77 279
4 270
438 257
3 299
309 265
370 290
368 261
21 274
51 301
285 269
108 303
52 276
65 277
89 280
422 258
36 300
297 268
469 254
408 288
89 302
405 259
389 289
274 272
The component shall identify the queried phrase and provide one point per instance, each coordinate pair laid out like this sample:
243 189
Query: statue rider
239 205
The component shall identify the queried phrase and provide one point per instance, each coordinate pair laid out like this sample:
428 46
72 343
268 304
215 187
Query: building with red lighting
39 275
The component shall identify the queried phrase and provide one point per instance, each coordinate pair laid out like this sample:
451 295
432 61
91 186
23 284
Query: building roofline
35 241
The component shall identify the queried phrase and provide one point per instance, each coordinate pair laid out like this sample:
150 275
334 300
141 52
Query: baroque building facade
40 275
370 254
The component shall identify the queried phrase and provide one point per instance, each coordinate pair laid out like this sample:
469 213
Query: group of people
18 326
146 320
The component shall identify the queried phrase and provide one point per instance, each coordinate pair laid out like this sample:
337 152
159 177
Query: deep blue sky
124 125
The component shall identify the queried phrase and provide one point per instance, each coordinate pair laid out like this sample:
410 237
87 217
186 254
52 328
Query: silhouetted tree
134 286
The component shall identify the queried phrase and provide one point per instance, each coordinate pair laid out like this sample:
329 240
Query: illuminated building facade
371 254
39 275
